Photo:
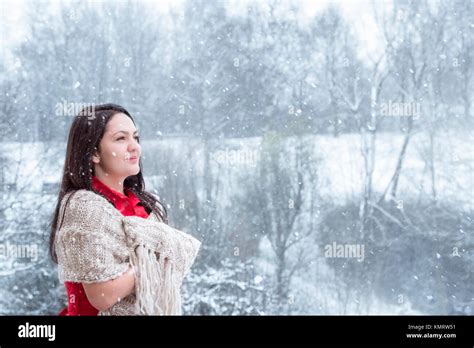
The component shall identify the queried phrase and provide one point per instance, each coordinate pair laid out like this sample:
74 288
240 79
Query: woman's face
119 150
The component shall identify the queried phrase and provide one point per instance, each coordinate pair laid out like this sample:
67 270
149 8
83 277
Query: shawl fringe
156 291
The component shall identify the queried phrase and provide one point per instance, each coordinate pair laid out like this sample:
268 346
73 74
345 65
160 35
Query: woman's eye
123 138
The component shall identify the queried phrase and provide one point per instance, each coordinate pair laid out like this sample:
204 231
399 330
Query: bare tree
422 46
332 39
462 37
280 192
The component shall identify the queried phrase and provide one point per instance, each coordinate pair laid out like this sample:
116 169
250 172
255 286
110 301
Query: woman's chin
130 173
135 172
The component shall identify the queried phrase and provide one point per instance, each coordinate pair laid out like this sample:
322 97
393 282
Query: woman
115 252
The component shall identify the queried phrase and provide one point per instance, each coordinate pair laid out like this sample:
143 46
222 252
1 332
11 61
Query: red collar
116 197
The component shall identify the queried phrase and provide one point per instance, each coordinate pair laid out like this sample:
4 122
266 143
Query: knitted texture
96 243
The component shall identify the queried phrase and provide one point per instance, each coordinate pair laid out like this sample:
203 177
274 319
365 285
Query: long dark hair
86 132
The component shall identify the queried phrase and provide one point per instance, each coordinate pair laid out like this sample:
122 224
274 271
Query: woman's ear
95 157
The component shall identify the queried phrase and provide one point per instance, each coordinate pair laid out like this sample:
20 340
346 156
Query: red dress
128 205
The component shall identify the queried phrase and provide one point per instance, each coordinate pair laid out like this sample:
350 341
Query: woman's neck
114 183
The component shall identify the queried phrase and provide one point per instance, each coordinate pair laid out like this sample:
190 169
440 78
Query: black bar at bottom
288 330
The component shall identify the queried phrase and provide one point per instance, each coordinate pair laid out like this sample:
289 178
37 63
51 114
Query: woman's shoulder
84 211
87 200
84 195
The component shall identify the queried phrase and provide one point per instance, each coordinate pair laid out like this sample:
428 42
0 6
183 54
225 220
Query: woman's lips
131 158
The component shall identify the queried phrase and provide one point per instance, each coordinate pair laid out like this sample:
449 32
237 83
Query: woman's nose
134 146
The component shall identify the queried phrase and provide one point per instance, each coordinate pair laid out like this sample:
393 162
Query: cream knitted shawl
96 243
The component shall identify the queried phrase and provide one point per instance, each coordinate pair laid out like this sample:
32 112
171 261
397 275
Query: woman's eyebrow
121 131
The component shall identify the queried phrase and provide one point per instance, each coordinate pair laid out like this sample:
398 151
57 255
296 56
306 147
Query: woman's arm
103 295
